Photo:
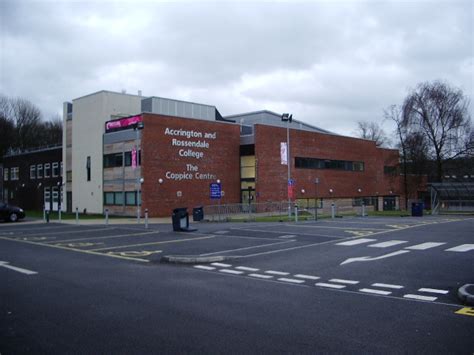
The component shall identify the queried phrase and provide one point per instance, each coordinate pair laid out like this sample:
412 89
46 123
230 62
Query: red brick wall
159 156
272 175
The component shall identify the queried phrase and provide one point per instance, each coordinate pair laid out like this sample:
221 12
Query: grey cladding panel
177 108
119 136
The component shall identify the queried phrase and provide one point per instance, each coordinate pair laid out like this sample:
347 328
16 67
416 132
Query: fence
279 211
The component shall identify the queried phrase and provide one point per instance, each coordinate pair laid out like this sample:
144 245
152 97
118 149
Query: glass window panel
32 171
247 172
109 198
119 198
130 198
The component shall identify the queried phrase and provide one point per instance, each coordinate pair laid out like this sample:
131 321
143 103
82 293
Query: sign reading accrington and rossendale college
190 144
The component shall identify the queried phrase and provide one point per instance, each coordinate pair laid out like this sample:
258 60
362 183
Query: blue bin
417 209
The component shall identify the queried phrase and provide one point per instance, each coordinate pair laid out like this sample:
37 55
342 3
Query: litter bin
180 219
417 209
198 214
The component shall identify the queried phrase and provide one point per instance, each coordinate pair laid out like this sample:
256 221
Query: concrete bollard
333 211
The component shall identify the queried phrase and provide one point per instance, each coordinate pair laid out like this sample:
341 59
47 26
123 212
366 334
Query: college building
127 153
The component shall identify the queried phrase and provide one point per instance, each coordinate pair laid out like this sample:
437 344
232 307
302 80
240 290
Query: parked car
11 213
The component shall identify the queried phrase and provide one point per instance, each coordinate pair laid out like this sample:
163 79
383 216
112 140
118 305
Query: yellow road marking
70 232
154 243
359 233
134 253
78 250
467 311
105 237
77 245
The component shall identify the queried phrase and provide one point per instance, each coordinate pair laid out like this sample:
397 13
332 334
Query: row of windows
120 159
47 170
315 163
14 173
128 198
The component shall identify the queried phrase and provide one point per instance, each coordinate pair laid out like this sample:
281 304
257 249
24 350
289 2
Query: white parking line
287 236
462 248
247 248
281 273
291 280
356 241
308 277
17 269
221 265
234 272
260 276
387 244
203 267
377 292
397 287
329 285
245 268
433 290
421 298
342 281
424 246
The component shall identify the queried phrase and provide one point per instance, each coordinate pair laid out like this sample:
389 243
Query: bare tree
439 113
372 131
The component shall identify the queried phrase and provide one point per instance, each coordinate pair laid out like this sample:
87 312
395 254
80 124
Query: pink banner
134 158
124 122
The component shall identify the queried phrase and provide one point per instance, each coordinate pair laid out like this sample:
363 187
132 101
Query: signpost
215 190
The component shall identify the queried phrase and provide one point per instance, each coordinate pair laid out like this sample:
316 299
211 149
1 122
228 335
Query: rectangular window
39 171
113 160
5 174
130 198
32 172
88 168
55 169
108 198
15 173
47 170
118 199
128 158
315 163
68 176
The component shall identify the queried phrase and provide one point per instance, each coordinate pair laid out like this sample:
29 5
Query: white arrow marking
18 269
368 258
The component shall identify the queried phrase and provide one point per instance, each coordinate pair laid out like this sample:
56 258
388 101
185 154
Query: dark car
11 213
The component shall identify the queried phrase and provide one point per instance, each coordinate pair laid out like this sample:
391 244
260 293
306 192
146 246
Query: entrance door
389 203
47 198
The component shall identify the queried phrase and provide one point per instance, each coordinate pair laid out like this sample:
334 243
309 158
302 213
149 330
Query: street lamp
135 163
286 117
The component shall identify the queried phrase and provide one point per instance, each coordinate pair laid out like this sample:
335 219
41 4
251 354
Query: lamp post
286 117
138 127
219 200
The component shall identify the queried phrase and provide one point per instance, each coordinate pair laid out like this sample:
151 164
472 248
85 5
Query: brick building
160 154
33 179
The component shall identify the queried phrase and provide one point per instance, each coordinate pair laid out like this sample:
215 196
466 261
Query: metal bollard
106 216
333 211
77 215
47 216
363 209
44 213
296 213
59 214
146 218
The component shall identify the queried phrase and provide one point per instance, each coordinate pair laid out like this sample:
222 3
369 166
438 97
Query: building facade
127 153
33 179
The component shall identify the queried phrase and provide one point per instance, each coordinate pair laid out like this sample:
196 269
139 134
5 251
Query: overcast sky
329 63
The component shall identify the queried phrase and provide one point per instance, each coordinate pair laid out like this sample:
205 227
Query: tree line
433 132
22 126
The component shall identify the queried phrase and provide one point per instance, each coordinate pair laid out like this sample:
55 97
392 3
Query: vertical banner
291 189
134 158
283 153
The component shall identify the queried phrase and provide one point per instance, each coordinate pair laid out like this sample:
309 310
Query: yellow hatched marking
134 254
467 311
77 245
105 237
359 233
154 243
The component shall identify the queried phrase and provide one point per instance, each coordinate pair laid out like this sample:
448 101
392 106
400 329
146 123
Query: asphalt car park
425 259
346 285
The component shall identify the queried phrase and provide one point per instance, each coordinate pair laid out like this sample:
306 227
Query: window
88 168
108 198
130 198
128 158
68 176
32 172
315 163
39 171
47 170
55 169
15 173
118 198
5 174
113 160
368 201
247 167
